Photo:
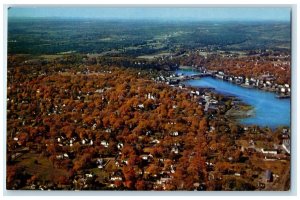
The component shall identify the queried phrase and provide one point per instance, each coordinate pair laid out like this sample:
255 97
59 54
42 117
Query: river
268 110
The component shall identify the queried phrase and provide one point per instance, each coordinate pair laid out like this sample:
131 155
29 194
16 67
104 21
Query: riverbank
280 91
266 109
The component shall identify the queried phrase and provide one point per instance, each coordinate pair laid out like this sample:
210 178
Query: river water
268 110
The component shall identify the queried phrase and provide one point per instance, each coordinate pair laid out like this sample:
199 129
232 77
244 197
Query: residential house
269 151
104 143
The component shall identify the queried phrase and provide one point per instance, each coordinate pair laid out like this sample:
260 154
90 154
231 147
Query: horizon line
148 19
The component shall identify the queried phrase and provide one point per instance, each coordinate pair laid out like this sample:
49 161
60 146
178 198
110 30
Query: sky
162 13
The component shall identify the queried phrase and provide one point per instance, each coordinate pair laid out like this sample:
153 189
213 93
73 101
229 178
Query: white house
141 105
94 127
104 143
116 178
269 151
89 175
175 150
175 133
120 145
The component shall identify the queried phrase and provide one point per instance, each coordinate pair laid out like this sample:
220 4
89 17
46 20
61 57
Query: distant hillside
136 38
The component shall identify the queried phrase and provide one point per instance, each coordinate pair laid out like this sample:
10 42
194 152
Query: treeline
253 65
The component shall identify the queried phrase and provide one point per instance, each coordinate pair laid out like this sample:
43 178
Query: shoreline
278 95
240 110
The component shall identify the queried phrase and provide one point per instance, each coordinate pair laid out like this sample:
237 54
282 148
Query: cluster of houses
204 95
83 181
278 152
159 178
168 79
265 82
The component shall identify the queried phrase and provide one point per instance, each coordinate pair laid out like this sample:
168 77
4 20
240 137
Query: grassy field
103 174
42 169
